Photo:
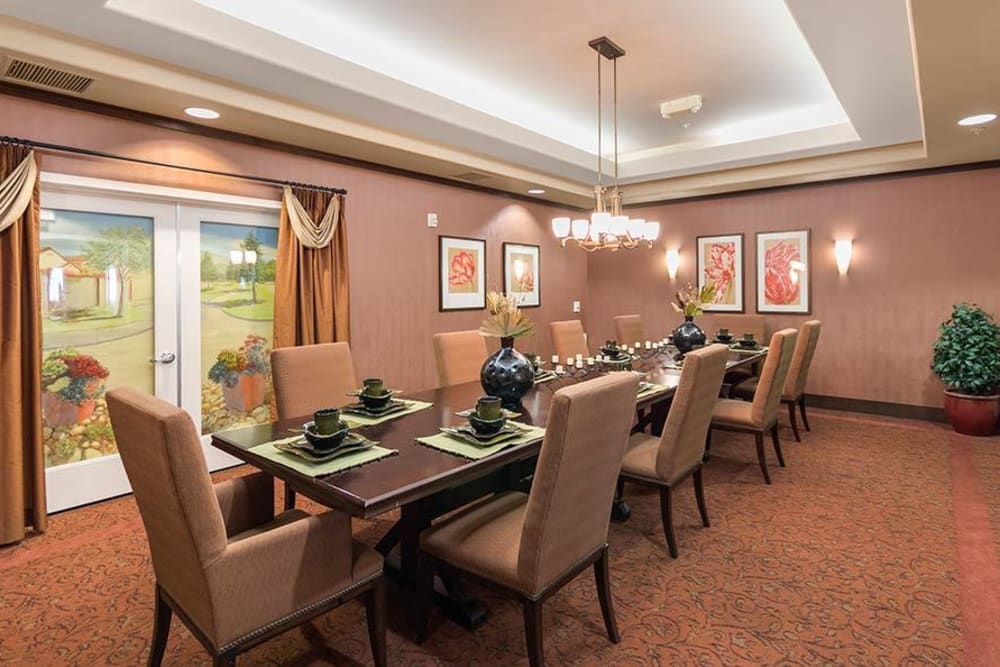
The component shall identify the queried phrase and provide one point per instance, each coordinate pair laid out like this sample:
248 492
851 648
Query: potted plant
506 373
242 374
689 301
967 359
71 384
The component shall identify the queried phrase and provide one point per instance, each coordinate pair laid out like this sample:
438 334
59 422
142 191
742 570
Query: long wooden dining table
425 483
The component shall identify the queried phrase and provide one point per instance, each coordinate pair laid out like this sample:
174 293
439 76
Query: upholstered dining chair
310 377
761 415
234 573
677 454
460 356
794 392
528 546
629 329
568 339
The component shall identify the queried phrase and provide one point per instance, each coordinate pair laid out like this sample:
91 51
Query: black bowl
486 426
724 338
375 402
612 352
325 442
749 344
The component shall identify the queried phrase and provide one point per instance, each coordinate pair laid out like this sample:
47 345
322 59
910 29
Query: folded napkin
447 443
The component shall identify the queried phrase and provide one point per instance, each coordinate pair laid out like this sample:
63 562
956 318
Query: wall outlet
432 219
576 306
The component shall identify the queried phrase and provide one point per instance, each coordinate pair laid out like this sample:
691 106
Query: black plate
359 408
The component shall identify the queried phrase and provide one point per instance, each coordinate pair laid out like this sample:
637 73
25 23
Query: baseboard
899 410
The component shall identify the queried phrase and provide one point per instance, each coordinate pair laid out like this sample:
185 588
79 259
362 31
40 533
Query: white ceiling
514 81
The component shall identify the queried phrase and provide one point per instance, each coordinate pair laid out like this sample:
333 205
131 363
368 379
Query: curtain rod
58 148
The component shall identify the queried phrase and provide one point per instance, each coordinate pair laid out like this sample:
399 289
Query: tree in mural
209 270
252 243
127 249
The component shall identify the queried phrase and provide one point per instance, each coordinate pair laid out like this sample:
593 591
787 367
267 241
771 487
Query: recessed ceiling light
978 119
202 112
536 191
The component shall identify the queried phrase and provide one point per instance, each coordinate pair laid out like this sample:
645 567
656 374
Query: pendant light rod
614 64
600 125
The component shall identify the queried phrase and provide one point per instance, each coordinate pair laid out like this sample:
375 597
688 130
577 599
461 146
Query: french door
169 291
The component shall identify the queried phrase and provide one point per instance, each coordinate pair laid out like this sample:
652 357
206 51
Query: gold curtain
22 468
311 301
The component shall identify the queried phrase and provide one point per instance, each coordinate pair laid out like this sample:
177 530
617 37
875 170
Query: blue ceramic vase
688 335
507 373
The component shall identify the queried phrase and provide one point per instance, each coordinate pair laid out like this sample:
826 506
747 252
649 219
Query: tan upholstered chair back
738 324
767 398
311 377
629 329
566 517
802 358
460 356
682 444
165 464
568 339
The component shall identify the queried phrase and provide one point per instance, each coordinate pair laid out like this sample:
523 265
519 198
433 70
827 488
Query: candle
579 363
649 345
559 369
600 357
590 361
638 345
630 350
569 361
555 358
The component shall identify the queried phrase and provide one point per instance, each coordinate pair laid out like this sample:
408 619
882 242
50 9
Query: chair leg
375 611
699 494
708 446
802 409
533 632
759 437
777 445
425 597
791 418
289 497
161 628
668 520
603 580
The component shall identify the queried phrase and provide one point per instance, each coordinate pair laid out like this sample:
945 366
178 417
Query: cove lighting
978 119
536 191
202 112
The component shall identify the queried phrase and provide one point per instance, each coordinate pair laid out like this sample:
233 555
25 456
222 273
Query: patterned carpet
876 546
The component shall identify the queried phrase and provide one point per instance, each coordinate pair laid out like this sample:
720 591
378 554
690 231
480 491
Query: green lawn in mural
97 325
237 314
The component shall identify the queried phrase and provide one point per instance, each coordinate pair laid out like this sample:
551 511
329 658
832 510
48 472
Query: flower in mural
72 376
462 270
781 284
251 358
720 270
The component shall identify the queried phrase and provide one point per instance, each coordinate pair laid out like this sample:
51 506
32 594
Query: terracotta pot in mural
60 412
972 415
247 394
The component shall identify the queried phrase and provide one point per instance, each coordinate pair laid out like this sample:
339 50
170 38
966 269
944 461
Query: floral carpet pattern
849 558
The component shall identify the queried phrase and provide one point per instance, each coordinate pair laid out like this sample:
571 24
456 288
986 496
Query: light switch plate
432 219
576 306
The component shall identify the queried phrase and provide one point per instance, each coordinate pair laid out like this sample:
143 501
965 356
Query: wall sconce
673 262
842 250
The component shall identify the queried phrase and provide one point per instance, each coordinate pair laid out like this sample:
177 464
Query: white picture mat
804 288
471 300
533 298
704 242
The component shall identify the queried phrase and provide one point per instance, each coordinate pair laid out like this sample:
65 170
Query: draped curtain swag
311 302
22 467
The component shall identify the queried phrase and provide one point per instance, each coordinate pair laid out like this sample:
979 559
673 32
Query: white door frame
175 247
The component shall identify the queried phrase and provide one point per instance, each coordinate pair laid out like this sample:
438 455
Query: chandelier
608 228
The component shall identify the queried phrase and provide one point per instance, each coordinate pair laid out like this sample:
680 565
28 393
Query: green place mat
735 347
339 464
354 421
446 443
652 389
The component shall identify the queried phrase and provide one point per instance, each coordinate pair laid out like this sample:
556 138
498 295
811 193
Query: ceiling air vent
472 177
47 77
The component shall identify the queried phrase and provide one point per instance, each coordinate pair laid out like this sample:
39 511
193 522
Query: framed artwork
784 273
521 276
462 273
720 263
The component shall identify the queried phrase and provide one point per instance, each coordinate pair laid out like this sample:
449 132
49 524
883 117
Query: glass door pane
105 264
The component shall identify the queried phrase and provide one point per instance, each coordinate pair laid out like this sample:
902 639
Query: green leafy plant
505 319
689 300
967 352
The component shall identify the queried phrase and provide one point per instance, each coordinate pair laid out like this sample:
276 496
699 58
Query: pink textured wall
393 254
921 243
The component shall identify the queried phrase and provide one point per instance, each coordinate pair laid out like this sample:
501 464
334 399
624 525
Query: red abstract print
781 283
720 270
462 271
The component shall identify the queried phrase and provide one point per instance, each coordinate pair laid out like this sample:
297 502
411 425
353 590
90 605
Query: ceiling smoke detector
691 103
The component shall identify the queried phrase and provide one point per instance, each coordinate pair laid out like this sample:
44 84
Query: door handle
163 358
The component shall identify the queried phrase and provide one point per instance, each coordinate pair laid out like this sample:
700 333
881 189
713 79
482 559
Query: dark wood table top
419 471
